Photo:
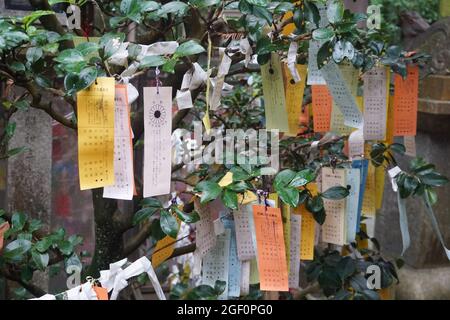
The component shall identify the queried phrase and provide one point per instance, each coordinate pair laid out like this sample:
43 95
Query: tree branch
33 289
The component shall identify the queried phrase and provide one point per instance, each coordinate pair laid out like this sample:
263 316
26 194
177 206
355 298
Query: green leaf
177 8
335 11
191 217
147 6
210 190
87 48
219 287
431 195
314 204
289 195
70 56
143 214
129 7
34 225
302 178
151 202
18 221
40 259
335 193
239 174
188 48
65 247
262 3
323 34
263 13
42 81
43 244
204 3
299 19
240 186
346 267
283 178
157 233
312 12
29 19
324 54
169 224
34 54
17 66
15 250
169 66
398 148
230 199
434 179
284 7
152 61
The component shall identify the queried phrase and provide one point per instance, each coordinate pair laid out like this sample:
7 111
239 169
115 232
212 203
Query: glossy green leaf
169 224
335 193
230 199
210 190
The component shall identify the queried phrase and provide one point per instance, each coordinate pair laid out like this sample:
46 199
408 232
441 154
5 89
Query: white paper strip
245 247
246 50
245 278
215 263
314 74
184 99
342 95
410 145
294 251
333 229
356 144
292 61
375 103
123 187
353 180
157 141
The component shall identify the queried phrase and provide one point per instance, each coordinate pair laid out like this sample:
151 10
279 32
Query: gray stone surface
29 173
423 284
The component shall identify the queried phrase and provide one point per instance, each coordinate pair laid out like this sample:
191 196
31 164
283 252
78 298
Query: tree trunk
108 234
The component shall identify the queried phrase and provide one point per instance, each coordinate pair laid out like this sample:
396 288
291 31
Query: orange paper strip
272 264
322 103
405 103
102 293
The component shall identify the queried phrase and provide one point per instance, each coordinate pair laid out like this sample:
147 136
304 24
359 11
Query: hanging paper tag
410 145
96 134
362 166
294 97
246 50
184 99
368 208
392 174
376 100
390 122
123 150
294 250
157 141
254 273
356 144
405 103
205 237
224 67
354 181
333 229
272 264
342 94
286 219
234 265
274 95
245 248
219 228
102 293
215 263
322 103
245 278
314 74
292 62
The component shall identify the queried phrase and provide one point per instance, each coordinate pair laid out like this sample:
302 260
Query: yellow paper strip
294 97
95 107
274 99
164 249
